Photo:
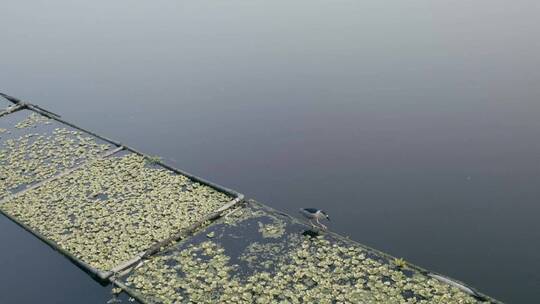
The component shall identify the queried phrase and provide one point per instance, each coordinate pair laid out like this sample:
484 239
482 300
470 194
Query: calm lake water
415 124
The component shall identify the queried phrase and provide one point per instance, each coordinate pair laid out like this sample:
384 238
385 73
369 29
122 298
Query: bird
317 214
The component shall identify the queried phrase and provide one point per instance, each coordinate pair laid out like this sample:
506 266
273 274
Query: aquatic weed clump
114 208
273 230
153 160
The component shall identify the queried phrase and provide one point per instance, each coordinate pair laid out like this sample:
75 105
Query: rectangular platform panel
113 209
259 255
34 148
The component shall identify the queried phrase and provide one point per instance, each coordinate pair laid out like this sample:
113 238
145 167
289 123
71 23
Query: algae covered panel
258 255
112 209
34 148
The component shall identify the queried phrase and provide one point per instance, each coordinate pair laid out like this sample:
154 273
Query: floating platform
165 236
100 203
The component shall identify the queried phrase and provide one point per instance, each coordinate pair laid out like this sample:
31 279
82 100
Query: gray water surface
415 124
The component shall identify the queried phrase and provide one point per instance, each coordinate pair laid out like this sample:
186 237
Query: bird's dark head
325 215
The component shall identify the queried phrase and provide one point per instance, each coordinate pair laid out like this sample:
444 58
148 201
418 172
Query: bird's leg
322 225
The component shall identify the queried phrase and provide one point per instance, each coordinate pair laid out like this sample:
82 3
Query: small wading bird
315 214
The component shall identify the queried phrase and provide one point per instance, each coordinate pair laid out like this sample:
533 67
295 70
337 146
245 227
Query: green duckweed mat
114 208
258 255
34 148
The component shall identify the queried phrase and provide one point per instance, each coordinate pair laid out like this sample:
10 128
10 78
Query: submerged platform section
259 255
